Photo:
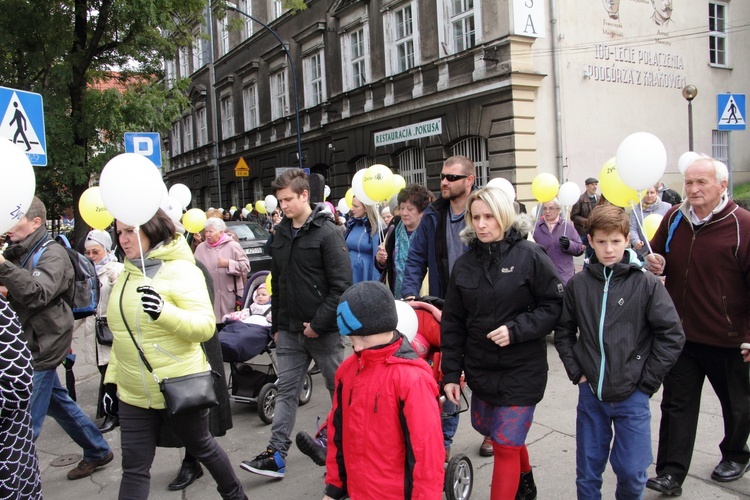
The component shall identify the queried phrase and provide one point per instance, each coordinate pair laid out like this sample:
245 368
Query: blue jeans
49 397
293 354
631 449
450 422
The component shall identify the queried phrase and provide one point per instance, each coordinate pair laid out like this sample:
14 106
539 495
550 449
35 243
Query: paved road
551 447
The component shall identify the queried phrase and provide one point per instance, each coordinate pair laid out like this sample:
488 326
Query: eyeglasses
452 177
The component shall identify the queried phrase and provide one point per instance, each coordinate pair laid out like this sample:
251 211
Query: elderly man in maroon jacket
703 249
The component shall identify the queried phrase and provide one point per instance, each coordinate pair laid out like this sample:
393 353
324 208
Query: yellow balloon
545 187
377 183
614 189
249 207
268 284
651 224
349 197
260 206
232 208
194 220
399 183
92 209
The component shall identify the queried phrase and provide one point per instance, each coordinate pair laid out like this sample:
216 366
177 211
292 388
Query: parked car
253 239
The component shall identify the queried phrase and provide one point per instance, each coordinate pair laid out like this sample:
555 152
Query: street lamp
233 7
689 92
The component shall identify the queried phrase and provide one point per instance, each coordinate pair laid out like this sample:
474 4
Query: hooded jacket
171 343
40 296
385 438
509 282
229 282
708 273
619 328
309 273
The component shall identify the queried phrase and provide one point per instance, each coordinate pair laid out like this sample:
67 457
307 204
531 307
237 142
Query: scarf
360 221
109 257
403 242
221 240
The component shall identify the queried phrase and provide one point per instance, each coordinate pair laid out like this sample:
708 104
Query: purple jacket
563 259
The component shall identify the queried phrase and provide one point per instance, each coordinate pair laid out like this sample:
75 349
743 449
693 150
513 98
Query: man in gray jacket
39 290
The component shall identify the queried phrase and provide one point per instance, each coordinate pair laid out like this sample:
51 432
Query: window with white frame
277 9
356 61
202 123
462 24
250 106
720 145
184 62
475 148
227 117
198 50
176 142
314 79
402 45
223 36
170 73
717 33
412 166
247 7
278 94
187 133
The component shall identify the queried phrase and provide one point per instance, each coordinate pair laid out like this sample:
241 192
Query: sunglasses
452 177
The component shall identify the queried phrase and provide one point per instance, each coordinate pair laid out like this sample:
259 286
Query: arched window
474 148
363 162
412 167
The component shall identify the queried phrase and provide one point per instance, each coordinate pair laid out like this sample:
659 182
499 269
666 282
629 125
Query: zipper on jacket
160 349
317 290
726 312
603 355
687 269
377 395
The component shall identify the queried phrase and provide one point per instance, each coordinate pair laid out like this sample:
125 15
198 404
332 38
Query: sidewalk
551 445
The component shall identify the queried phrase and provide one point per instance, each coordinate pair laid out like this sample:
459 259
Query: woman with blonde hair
362 237
504 297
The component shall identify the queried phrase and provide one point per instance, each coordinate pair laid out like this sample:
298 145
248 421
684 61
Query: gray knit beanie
367 308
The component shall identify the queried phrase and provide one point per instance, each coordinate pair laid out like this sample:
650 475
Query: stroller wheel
306 394
267 402
459 478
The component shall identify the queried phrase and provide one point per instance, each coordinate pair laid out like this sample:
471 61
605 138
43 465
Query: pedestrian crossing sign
730 109
22 115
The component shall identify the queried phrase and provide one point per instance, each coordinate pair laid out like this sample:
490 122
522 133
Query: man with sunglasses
436 246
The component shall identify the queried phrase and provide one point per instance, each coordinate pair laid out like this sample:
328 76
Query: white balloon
245 212
173 208
131 188
18 185
342 206
641 160
503 184
182 193
407 320
326 192
569 193
271 203
359 191
686 159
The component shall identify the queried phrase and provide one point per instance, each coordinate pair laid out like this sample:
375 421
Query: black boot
109 424
526 487
189 472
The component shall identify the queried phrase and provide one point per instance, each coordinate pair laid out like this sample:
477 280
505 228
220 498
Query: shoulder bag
181 394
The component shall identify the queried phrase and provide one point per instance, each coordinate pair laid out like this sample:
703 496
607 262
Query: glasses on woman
550 209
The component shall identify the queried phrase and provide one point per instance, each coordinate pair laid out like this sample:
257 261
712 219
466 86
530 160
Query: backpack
85 297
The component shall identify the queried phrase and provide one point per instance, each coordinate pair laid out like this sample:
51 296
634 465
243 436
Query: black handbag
103 333
181 394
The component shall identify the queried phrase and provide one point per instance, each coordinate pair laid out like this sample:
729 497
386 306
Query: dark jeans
730 378
139 432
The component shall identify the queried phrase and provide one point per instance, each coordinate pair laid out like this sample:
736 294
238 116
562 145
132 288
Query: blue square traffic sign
147 144
22 115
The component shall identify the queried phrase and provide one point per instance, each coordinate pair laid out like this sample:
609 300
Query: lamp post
233 7
689 92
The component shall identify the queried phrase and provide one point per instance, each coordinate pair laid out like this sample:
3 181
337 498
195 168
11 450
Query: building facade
519 86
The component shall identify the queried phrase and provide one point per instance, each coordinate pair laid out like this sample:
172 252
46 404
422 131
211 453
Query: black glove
565 242
151 301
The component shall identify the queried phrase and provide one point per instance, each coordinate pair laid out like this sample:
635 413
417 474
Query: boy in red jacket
385 439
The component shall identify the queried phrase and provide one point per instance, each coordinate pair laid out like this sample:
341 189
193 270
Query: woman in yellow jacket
168 313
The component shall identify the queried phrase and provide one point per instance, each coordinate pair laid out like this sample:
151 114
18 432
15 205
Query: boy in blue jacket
629 336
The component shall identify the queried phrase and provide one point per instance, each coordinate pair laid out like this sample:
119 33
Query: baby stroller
253 380
459 473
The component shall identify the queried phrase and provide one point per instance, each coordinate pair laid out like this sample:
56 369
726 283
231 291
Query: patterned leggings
506 425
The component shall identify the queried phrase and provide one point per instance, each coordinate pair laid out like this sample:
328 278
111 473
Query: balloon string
381 223
639 220
137 230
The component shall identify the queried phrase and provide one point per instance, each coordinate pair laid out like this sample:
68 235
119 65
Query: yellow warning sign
241 169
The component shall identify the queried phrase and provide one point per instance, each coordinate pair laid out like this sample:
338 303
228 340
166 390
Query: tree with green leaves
60 49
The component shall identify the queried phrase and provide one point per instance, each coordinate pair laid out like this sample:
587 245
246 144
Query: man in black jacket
39 284
309 273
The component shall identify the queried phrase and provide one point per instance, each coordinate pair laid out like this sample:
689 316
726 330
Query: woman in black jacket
503 298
